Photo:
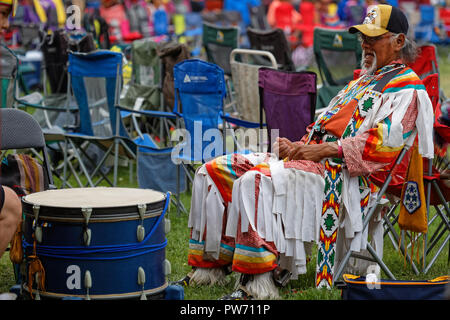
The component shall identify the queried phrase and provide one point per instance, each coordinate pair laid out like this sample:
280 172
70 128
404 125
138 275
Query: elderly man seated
259 214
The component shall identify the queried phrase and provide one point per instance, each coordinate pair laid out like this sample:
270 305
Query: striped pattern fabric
253 260
23 174
224 170
196 255
405 79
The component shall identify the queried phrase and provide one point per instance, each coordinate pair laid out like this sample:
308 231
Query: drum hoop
103 214
111 296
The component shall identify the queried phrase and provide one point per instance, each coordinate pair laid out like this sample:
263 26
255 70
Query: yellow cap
382 19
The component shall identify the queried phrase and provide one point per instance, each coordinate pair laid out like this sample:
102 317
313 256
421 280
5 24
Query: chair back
96 79
288 100
275 42
19 130
426 63
219 42
337 54
200 91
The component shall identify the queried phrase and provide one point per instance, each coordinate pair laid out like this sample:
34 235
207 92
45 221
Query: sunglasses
372 40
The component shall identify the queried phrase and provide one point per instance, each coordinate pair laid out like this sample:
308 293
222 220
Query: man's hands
312 152
282 147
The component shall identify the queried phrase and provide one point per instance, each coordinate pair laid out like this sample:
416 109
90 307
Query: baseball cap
12 3
381 19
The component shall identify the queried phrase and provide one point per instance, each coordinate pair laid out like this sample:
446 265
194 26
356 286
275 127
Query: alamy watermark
73 20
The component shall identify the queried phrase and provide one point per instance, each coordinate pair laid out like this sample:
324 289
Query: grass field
301 289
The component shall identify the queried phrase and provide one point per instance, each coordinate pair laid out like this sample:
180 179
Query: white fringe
262 287
208 276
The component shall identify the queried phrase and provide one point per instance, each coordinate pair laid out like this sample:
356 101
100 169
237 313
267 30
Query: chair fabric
200 91
426 63
424 31
337 54
275 42
219 42
244 70
288 100
19 130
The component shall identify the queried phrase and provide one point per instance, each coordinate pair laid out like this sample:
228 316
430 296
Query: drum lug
141 282
167 267
87 283
87 237
141 209
140 233
38 231
36 209
86 212
140 229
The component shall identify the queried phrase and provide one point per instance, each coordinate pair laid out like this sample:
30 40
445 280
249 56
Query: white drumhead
99 197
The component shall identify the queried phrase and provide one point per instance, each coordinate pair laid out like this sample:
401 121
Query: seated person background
259 214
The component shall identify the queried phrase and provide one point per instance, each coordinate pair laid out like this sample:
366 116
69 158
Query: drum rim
99 214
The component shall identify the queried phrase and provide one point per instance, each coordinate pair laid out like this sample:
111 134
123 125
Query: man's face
4 15
379 51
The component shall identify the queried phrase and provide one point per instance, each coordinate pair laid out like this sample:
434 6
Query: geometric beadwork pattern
411 197
329 224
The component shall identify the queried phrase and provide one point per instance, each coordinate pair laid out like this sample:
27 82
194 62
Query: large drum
97 243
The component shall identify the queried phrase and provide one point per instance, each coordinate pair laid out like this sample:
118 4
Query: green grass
301 289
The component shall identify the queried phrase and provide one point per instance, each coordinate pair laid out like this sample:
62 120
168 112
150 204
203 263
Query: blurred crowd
128 20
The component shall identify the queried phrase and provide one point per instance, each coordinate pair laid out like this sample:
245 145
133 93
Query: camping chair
275 42
144 90
391 182
95 80
337 54
288 100
170 54
244 70
199 102
424 31
218 43
19 130
427 63
437 193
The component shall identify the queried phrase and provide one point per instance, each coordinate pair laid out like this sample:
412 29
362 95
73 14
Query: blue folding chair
425 30
107 132
95 81
199 100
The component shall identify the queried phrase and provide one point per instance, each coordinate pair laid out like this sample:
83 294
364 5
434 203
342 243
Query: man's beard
371 68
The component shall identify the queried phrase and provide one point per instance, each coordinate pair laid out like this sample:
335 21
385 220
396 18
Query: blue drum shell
112 258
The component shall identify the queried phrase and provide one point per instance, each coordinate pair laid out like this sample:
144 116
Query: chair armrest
152 113
240 122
